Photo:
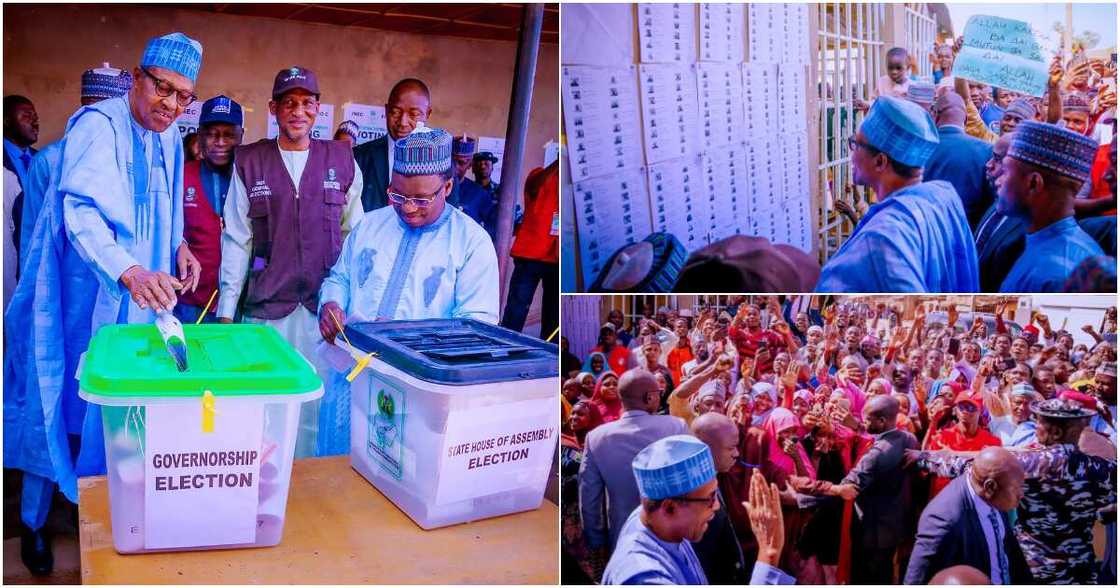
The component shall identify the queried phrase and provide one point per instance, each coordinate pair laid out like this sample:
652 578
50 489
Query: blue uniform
1049 258
917 240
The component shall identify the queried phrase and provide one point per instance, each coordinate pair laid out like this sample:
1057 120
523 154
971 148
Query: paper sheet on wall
791 95
188 121
370 119
720 91
669 110
601 120
190 505
597 34
761 35
497 146
725 176
721 32
611 212
667 33
323 129
678 200
760 97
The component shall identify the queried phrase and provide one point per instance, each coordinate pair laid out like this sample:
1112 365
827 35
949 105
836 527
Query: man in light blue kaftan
110 236
1044 168
97 84
676 479
415 259
917 237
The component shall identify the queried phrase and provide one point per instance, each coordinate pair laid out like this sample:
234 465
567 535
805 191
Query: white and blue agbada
117 202
98 84
917 239
1004 427
388 270
1053 252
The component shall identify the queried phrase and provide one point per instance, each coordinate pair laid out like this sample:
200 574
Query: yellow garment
974 125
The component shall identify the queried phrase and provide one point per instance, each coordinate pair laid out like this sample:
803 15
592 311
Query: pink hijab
780 420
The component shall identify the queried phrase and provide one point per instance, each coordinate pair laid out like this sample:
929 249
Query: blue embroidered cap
350 128
176 52
901 129
673 466
105 82
221 109
921 92
424 152
1054 148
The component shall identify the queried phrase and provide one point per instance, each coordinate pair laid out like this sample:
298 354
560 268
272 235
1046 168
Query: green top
229 360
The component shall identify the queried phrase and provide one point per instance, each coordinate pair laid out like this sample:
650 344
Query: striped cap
424 152
176 52
105 82
665 263
901 129
1075 103
1054 148
921 92
673 466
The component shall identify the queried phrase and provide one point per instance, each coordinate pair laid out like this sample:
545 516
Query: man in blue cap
418 258
676 478
472 199
1043 170
291 202
482 165
104 252
916 238
205 185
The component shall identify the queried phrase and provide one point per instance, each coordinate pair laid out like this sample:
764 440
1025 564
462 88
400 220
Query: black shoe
35 550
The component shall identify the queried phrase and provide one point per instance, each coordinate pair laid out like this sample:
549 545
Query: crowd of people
923 446
974 189
118 222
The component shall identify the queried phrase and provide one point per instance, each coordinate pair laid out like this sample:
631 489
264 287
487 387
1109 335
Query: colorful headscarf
780 420
609 410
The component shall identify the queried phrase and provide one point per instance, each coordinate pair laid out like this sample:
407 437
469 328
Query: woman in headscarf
786 458
596 364
710 398
584 417
586 385
764 397
605 399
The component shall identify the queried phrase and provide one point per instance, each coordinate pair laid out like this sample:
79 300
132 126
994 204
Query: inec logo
221 105
190 194
330 174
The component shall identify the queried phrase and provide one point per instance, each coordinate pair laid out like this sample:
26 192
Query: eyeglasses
423 201
165 88
710 501
853 143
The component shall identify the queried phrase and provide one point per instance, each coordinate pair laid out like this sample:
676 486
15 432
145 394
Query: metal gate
921 32
848 62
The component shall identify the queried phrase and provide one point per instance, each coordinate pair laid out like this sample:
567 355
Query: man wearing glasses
916 237
291 201
417 258
104 253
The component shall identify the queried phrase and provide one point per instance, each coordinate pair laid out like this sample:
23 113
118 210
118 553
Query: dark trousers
527 273
873 566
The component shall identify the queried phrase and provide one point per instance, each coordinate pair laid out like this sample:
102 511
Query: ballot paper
601 119
669 110
720 95
721 32
611 212
667 33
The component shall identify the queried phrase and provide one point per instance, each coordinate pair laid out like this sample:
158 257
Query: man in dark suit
21 131
960 158
719 550
881 491
409 104
606 471
967 523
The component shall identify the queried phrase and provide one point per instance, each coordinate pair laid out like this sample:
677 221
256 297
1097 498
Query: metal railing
849 61
921 31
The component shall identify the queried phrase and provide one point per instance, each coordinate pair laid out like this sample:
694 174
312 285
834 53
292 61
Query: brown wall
47 47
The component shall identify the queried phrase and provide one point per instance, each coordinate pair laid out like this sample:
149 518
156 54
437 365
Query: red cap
966 396
1081 398
1031 329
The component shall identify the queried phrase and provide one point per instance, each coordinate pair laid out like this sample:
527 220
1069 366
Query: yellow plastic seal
208 412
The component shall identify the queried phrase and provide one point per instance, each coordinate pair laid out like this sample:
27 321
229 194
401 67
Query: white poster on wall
370 119
488 451
188 121
497 146
201 488
324 124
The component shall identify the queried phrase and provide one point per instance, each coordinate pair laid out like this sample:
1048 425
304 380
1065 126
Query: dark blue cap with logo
221 109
